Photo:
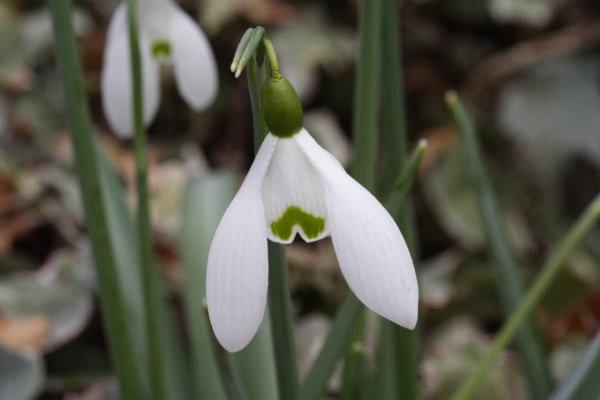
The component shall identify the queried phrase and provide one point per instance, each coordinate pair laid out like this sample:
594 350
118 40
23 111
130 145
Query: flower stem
280 308
280 304
86 159
150 276
272 57
256 80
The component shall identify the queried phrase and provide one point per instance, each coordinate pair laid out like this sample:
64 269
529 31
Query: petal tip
232 344
232 329
409 313
410 319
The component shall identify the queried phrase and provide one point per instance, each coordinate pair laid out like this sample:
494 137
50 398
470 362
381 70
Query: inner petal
293 196
161 50
154 19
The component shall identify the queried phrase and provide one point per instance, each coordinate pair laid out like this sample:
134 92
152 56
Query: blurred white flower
296 187
530 12
166 35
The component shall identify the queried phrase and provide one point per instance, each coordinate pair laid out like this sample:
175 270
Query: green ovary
161 49
311 225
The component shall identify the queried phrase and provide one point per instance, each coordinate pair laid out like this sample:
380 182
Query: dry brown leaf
29 333
8 188
169 258
584 318
15 227
266 12
439 140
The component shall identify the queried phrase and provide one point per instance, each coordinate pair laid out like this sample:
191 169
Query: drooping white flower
296 187
166 35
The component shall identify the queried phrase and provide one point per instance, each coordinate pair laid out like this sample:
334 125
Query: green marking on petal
311 225
161 49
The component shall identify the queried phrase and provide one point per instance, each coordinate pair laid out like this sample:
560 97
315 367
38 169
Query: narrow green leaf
367 91
178 377
356 374
229 373
206 200
22 373
366 138
524 309
112 297
124 244
407 353
584 381
509 281
393 127
339 339
259 383
387 368
123 236
400 348
404 182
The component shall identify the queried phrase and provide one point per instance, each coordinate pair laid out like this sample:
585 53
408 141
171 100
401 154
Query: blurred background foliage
529 70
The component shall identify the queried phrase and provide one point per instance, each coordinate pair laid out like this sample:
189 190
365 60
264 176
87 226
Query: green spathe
161 49
310 224
282 108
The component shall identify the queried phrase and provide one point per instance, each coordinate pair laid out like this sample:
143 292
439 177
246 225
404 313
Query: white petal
116 77
194 63
369 246
293 194
153 16
237 277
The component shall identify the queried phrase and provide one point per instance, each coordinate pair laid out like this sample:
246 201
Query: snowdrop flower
296 187
167 35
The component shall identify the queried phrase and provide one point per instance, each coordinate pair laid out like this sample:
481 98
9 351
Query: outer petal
116 77
293 196
369 246
237 277
194 63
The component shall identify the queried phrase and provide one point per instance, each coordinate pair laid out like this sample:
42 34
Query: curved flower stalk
296 187
167 36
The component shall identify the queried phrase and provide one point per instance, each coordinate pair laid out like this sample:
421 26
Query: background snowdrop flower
166 35
296 187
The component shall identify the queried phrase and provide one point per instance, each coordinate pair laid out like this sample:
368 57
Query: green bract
282 108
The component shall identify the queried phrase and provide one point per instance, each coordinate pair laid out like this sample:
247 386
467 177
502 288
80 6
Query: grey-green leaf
21 374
